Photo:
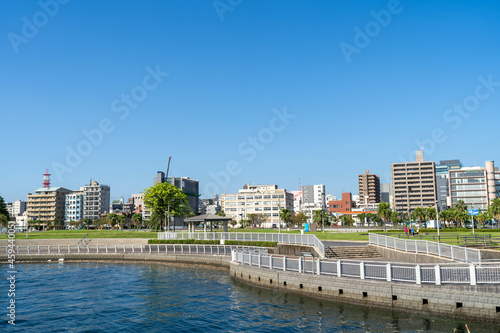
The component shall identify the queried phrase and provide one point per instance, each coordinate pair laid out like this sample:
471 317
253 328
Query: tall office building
475 186
386 193
96 199
369 189
414 184
442 188
257 199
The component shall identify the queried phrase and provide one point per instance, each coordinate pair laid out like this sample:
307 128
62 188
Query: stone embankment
19 241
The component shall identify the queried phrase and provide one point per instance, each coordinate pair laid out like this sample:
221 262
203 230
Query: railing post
149 249
362 270
439 251
260 259
271 261
88 249
438 275
97 248
406 245
388 270
284 263
339 268
427 247
473 276
28 249
59 249
466 255
300 264
69 249
418 274
48 249
318 268
78 249
116 251
133 249
106 249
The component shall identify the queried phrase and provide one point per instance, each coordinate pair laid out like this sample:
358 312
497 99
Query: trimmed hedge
211 242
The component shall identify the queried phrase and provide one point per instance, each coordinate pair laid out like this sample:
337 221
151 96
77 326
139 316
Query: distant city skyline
261 93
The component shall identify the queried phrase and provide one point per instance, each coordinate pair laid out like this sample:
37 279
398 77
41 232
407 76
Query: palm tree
395 218
460 206
137 219
333 220
384 212
419 214
112 218
362 218
430 213
494 209
285 215
319 216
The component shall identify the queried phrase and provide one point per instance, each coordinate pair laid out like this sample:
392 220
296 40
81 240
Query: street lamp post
437 219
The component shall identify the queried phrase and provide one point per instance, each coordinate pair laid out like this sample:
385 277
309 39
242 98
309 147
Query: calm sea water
113 297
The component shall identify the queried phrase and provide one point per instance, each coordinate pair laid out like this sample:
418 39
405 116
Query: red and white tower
46 179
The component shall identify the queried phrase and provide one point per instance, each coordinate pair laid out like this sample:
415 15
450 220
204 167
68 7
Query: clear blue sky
225 79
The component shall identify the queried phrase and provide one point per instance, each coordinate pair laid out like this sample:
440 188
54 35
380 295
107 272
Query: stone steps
351 252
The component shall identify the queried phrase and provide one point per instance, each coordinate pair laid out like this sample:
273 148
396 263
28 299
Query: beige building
267 200
413 184
369 189
47 204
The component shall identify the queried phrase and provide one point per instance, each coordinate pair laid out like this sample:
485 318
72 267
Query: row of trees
4 213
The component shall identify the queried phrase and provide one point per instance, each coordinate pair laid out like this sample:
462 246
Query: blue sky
215 112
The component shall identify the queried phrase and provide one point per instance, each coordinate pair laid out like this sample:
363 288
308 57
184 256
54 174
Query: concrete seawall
218 261
480 303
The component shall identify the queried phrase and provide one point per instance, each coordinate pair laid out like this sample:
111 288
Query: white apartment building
16 208
267 200
74 206
313 198
96 200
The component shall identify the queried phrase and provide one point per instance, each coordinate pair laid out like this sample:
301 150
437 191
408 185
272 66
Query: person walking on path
406 230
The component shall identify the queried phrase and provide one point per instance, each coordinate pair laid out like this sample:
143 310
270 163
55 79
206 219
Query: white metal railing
426 247
471 274
222 250
299 239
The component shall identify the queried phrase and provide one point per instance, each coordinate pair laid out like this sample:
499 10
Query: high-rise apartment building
96 199
369 189
47 204
386 193
442 188
267 200
414 184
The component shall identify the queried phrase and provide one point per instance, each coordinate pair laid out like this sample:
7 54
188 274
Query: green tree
395 218
362 218
137 220
384 213
233 223
319 216
164 197
494 210
460 206
4 220
112 218
333 219
3 208
299 219
285 215
419 214
122 220
257 219
430 213
346 220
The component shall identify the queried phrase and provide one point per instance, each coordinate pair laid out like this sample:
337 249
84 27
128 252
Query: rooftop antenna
46 179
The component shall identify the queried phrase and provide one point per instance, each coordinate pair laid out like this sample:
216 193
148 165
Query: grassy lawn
449 238
58 234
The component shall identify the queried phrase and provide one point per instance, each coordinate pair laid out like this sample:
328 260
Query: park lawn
60 234
75 234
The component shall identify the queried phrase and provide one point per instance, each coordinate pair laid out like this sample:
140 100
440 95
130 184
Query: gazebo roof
207 217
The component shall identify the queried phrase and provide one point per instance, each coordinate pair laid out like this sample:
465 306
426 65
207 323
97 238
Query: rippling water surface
113 297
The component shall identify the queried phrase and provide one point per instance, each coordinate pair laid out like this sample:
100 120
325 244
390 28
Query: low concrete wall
490 254
218 261
481 303
296 250
389 254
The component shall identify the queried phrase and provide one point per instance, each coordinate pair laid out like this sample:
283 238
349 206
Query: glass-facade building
442 189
